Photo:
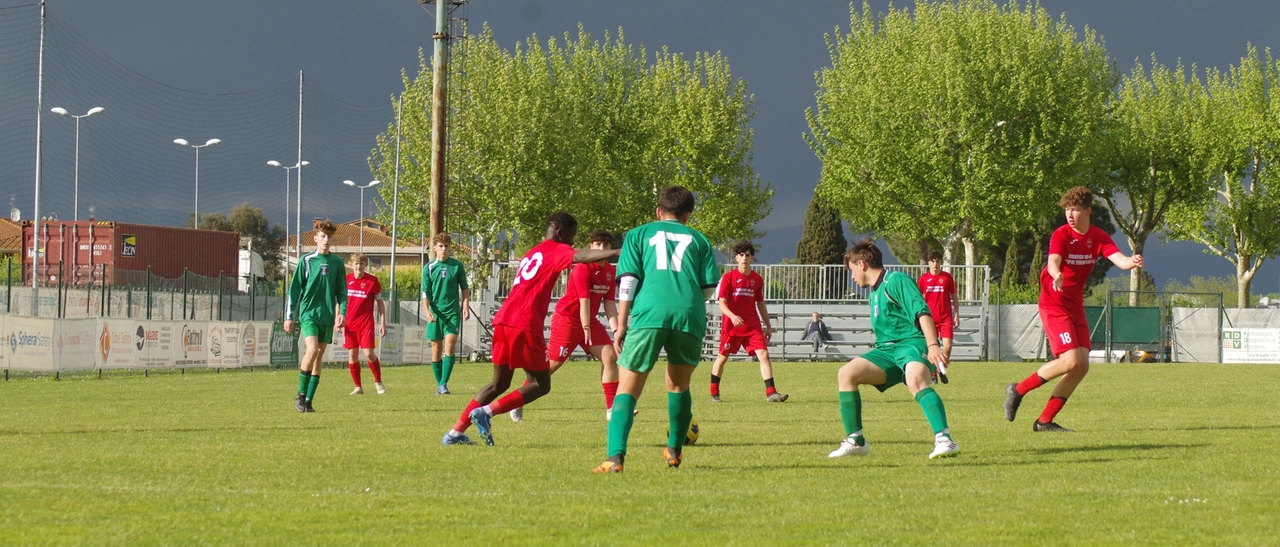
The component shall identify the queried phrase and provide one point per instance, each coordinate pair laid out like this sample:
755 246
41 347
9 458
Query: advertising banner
119 343
284 346
414 346
30 343
391 346
224 345
255 344
191 348
76 347
1251 345
157 339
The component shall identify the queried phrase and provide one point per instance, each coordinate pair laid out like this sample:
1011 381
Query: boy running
905 352
666 272
1073 250
318 299
517 330
363 291
574 323
939 290
443 280
742 305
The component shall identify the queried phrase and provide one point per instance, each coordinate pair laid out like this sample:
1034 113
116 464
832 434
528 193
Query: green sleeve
339 274
426 282
295 292
462 277
904 290
630 261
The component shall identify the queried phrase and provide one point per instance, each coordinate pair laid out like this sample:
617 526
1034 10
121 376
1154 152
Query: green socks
679 414
620 429
311 387
851 411
304 378
437 369
931 403
446 370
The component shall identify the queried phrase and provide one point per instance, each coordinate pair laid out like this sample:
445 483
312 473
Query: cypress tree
822 241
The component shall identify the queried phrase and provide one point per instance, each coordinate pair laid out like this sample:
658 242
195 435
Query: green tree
251 222
1239 218
822 241
955 121
1158 126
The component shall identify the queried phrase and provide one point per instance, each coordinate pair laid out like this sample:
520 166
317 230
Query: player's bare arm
1055 271
426 308
723 303
764 318
288 326
382 316
595 255
611 313
624 309
930 331
1125 262
584 317
339 318
466 304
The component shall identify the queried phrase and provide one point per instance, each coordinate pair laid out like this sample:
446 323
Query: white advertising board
30 343
119 343
157 339
76 347
1251 345
190 349
413 344
391 346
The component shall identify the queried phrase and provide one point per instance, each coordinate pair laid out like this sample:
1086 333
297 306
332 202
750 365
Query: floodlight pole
35 229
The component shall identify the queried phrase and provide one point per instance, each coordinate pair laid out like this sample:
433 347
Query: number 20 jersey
673 263
527 303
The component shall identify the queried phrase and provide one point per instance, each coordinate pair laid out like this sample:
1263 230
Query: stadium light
370 185
286 168
210 142
63 112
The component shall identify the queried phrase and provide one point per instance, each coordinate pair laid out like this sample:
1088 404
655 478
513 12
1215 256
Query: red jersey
594 281
360 296
1079 253
526 305
938 291
741 292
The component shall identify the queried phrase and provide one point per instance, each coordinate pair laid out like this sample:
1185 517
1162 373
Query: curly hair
1079 197
744 247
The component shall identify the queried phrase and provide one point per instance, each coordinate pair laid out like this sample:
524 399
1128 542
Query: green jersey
442 282
319 285
672 263
896 308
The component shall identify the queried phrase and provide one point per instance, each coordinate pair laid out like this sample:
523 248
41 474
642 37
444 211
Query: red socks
355 373
1032 382
715 385
375 366
610 391
510 401
464 421
1051 409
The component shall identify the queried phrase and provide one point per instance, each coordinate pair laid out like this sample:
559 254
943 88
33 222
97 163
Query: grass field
1170 454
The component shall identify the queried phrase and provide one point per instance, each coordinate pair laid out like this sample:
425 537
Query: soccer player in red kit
939 290
741 296
1073 250
364 291
574 323
518 342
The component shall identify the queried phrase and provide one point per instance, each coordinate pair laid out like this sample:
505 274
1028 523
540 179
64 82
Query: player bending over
317 299
939 290
574 323
666 272
1073 249
517 330
443 281
742 305
905 351
363 291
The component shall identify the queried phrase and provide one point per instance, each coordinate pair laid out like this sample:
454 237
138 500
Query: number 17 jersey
672 263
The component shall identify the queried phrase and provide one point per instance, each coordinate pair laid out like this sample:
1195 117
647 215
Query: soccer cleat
484 424
944 447
777 397
442 390
609 466
608 414
716 398
850 446
942 374
460 439
357 391
1051 427
382 390
301 403
1011 401
517 414
310 408
673 460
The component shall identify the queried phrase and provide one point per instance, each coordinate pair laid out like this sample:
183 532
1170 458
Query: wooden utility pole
438 115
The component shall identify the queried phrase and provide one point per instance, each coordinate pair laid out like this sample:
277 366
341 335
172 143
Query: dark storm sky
356 49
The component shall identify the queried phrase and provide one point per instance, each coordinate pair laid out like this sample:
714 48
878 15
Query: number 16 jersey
672 263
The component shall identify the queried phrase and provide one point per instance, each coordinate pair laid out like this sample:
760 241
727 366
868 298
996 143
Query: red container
82 248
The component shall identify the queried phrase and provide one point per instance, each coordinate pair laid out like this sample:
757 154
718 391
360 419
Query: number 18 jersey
672 263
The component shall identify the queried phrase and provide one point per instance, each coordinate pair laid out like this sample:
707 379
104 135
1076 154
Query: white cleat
944 447
357 391
850 447
517 414
382 390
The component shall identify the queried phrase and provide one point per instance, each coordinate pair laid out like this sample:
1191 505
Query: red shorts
945 328
566 336
519 348
750 343
358 338
1066 329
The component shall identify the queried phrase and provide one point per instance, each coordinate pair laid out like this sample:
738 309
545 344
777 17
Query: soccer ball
691 437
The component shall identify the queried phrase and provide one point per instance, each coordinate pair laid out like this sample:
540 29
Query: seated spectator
818 330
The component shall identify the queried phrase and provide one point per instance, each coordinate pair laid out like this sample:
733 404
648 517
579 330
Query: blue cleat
442 390
460 439
483 425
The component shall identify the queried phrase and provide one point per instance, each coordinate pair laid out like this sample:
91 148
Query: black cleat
301 403
1051 427
943 376
310 408
1011 401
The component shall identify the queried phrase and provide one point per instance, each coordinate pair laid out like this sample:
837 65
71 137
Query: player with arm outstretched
746 323
666 272
364 298
518 342
317 300
939 290
1073 250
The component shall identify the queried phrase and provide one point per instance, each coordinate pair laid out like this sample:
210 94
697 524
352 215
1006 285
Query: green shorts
893 359
641 346
323 332
447 322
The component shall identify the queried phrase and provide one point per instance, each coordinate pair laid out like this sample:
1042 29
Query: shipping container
82 248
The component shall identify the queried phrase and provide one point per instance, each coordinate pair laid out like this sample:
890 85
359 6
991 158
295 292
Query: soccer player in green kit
443 280
317 299
666 272
906 351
